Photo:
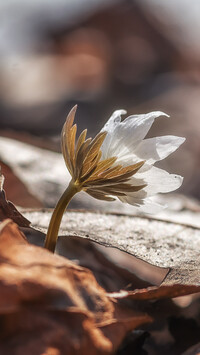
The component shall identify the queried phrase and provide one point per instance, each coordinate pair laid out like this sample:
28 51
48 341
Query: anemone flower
117 163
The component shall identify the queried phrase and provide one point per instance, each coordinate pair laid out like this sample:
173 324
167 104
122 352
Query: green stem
54 225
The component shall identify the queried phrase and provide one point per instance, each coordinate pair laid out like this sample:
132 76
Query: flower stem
54 225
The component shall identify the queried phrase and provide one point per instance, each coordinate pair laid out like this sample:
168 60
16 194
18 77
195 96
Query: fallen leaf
160 243
110 276
157 242
16 190
48 302
43 172
8 210
157 292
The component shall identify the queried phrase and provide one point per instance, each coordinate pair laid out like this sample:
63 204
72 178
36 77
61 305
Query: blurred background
103 55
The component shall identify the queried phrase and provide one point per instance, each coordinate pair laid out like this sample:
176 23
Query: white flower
118 162
125 140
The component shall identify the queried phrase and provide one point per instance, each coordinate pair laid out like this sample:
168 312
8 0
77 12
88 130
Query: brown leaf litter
49 304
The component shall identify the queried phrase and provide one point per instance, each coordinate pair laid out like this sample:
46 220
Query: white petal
147 205
113 120
158 148
109 127
150 207
125 140
123 137
157 181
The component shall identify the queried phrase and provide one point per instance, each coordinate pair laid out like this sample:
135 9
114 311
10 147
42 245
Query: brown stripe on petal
112 181
131 188
111 172
118 189
72 139
116 180
125 187
116 173
123 173
137 188
108 172
86 176
104 165
95 146
80 157
65 151
70 118
97 137
83 151
88 156
65 137
133 168
80 141
99 195
89 168
101 182
125 176
110 191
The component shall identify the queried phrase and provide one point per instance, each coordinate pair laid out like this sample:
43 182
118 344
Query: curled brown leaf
48 302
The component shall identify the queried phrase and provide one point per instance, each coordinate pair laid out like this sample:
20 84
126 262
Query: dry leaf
8 210
50 304
16 190
157 292
43 172
157 242
109 275
161 243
